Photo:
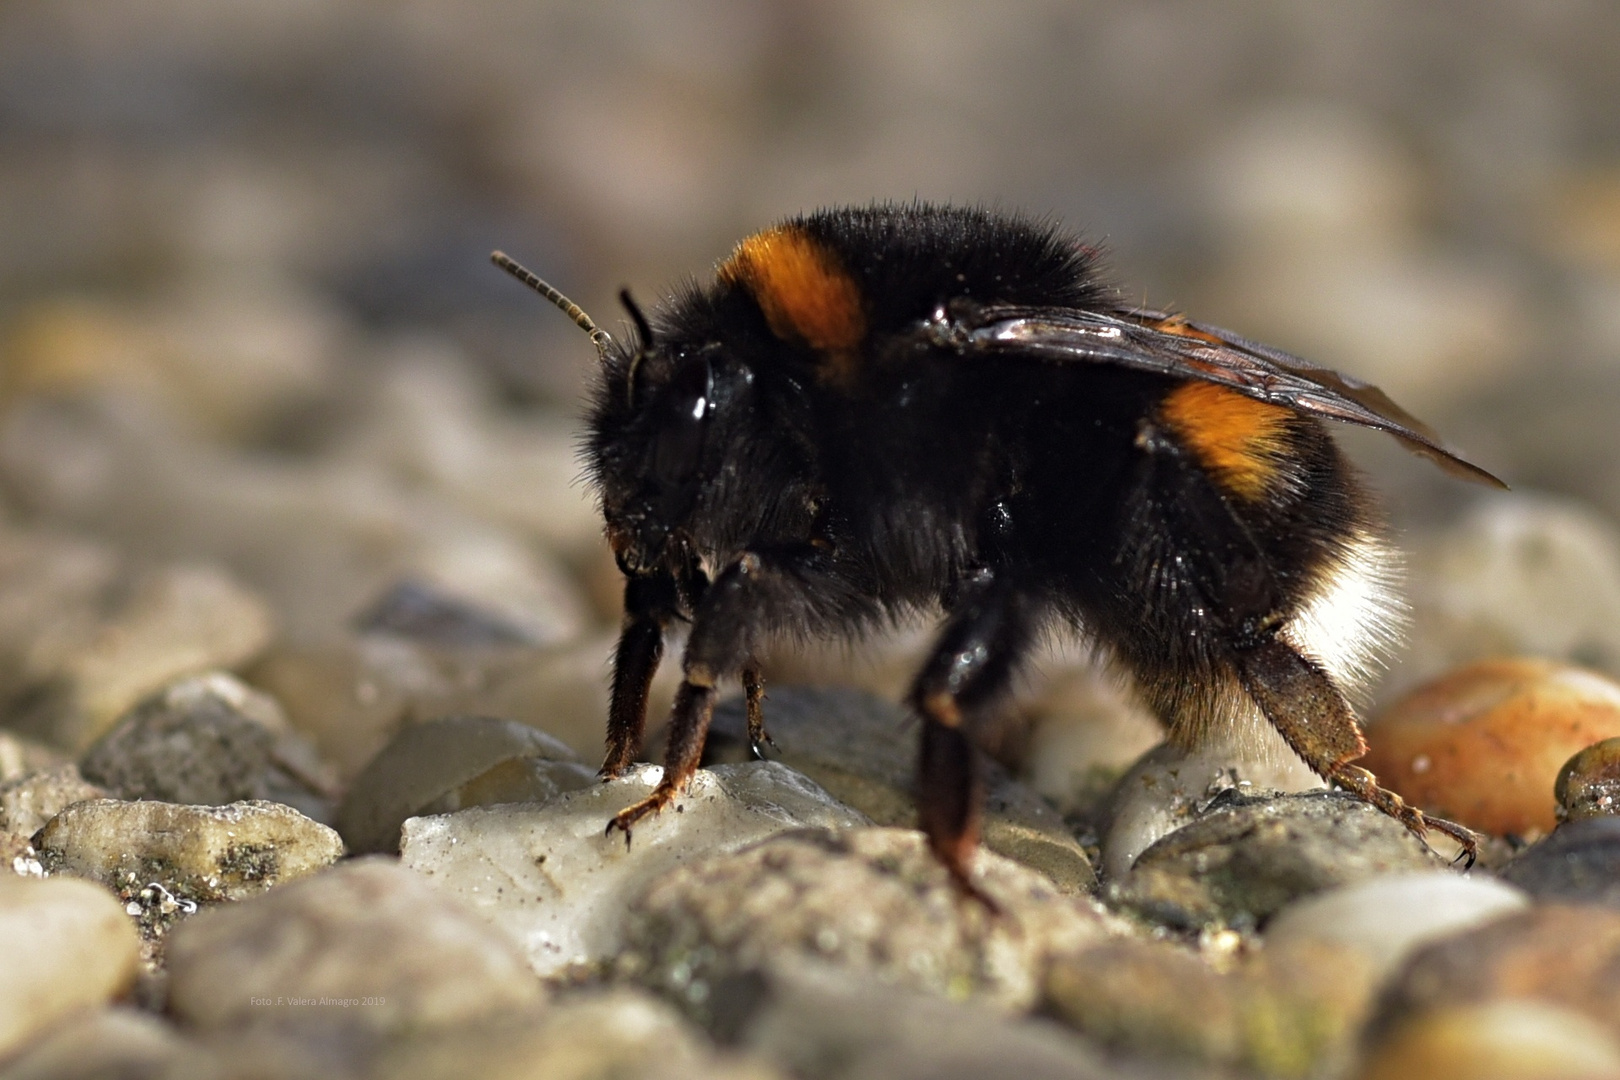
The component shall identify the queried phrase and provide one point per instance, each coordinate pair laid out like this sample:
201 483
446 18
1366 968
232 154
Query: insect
875 410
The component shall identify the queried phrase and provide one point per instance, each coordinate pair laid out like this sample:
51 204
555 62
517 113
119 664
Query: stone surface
208 740
69 947
445 765
1386 917
1558 955
790 898
1291 1011
618 1034
1483 745
863 750
29 801
559 884
366 945
1086 733
1169 786
20 756
164 858
163 624
1247 857
1589 783
1516 575
821 1023
107 1044
1497 1040
1578 864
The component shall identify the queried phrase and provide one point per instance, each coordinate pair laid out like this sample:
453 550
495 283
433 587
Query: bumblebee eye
678 447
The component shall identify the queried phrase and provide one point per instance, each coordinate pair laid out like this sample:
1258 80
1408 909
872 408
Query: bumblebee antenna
599 337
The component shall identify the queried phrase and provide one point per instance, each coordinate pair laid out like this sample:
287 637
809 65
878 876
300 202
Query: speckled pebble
560 884
29 801
165 858
1247 857
791 897
1484 744
367 945
440 766
69 946
1589 783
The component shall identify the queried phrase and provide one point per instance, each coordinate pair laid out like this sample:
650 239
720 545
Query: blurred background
247 320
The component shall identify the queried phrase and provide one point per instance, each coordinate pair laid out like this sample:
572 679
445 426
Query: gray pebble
1249 856
1578 863
444 765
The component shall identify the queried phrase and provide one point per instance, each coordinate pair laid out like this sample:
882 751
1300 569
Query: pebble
818 1022
70 947
118 1043
20 756
164 859
1579 863
1497 1040
1386 918
863 750
1517 575
615 1034
1249 856
1589 783
170 622
208 740
554 879
789 897
445 765
1288 1011
1483 745
1169 787
1086 734
1559 955
29 801
352 697
366 946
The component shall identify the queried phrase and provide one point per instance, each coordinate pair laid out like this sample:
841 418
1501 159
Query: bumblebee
872 411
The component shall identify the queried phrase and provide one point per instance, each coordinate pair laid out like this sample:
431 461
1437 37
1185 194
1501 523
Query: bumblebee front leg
1315 720
758 590
651 602
972 663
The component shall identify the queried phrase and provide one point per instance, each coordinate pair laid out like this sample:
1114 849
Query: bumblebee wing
1170 345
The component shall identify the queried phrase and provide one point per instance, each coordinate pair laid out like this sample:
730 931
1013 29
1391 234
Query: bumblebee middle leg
971 664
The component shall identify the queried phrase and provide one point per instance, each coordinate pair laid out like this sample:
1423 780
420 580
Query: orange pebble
1483 744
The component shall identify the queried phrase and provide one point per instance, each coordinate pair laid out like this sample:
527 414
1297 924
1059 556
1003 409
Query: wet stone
440 766
790 898
1589 783
554 879
863 750
1291 1011
1247 857
1483 745
366 946
209 740
69 946
1579 863
1560 955
165 859
28 802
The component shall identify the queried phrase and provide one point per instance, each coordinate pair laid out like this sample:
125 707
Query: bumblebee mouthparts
599 337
